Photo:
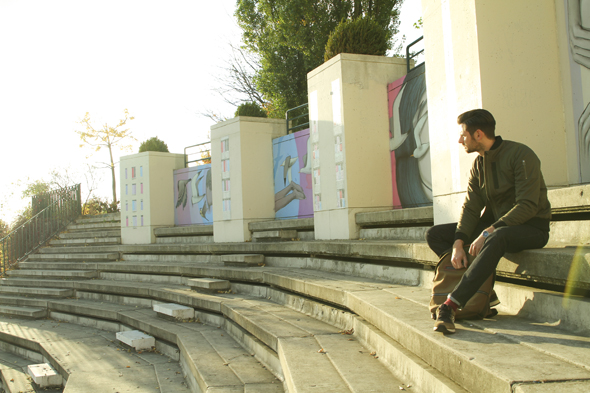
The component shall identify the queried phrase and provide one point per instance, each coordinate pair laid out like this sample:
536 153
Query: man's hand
459 258
477 245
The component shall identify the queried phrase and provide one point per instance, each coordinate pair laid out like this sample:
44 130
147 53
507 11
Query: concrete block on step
175 311
44 375
136 339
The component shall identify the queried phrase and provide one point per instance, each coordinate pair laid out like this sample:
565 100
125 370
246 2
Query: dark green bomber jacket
507 181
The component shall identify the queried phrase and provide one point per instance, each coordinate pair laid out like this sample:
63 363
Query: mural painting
409 141
292 176
578 23
192 195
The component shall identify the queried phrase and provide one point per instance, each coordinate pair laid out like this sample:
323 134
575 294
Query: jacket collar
494 149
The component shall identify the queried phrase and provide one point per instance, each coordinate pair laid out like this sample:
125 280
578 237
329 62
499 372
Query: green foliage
153 144
290 36
250 109
95 206
4 229
362 36
35 188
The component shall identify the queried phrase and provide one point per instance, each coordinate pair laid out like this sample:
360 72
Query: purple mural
192 196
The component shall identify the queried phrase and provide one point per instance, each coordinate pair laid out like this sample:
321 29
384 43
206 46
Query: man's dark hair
478 119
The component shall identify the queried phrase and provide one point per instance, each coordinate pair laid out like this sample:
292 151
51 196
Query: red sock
452 304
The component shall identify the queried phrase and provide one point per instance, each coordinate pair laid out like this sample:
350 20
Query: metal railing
293 123
205 154
409 56
52 212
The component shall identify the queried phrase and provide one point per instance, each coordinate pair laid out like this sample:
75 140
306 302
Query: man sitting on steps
507 182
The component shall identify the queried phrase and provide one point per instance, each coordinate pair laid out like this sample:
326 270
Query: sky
62 58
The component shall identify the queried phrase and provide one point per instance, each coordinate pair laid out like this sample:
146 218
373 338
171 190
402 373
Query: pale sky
62 58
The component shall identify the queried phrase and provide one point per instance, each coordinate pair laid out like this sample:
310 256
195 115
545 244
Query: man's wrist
458 243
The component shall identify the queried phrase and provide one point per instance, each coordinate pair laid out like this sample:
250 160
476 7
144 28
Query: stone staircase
329 316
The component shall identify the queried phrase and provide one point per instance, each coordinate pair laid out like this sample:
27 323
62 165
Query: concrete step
65 274
35 291
16 381
171 258
274 235
570 232
299 224
95 234
243 260
96 226
101 218
414 234
90 357
213 360
420 216
402 313
23 312
58 265
184 239
23 301
94 241
192 230
58 255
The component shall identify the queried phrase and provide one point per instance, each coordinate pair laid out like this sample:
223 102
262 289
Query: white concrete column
242 175
502 56
349 140
147 194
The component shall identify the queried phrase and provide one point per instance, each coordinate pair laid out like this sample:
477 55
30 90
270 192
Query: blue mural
292 176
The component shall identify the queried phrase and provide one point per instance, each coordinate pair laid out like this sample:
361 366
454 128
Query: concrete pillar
351 165
499 55
147 194
242 175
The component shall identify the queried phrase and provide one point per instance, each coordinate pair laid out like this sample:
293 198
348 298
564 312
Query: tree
153 144
290 36
108 137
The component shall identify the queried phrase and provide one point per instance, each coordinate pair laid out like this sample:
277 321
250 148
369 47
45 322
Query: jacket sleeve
527 185
472 207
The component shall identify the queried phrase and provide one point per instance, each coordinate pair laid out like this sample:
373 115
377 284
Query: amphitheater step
91 241
192 230
35 291
58 265
299 224
62 257
242 260
16 381
570 232
23 312
184 239
98 226
66 274
417 216
91 358
94 234
275 235
101 218
400 233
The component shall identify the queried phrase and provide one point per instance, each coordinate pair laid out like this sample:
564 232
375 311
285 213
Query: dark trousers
516 238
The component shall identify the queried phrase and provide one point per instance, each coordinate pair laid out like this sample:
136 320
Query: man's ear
478 134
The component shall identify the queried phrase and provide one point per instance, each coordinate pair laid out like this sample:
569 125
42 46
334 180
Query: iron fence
297 118
202 150
52 212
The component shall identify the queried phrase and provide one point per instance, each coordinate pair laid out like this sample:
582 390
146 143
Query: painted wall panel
192 196
409 141
292 176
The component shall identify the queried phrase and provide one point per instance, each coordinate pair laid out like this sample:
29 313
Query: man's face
468 142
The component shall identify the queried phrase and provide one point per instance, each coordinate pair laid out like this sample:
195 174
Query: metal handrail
31 235
291 119
206 160
410 57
